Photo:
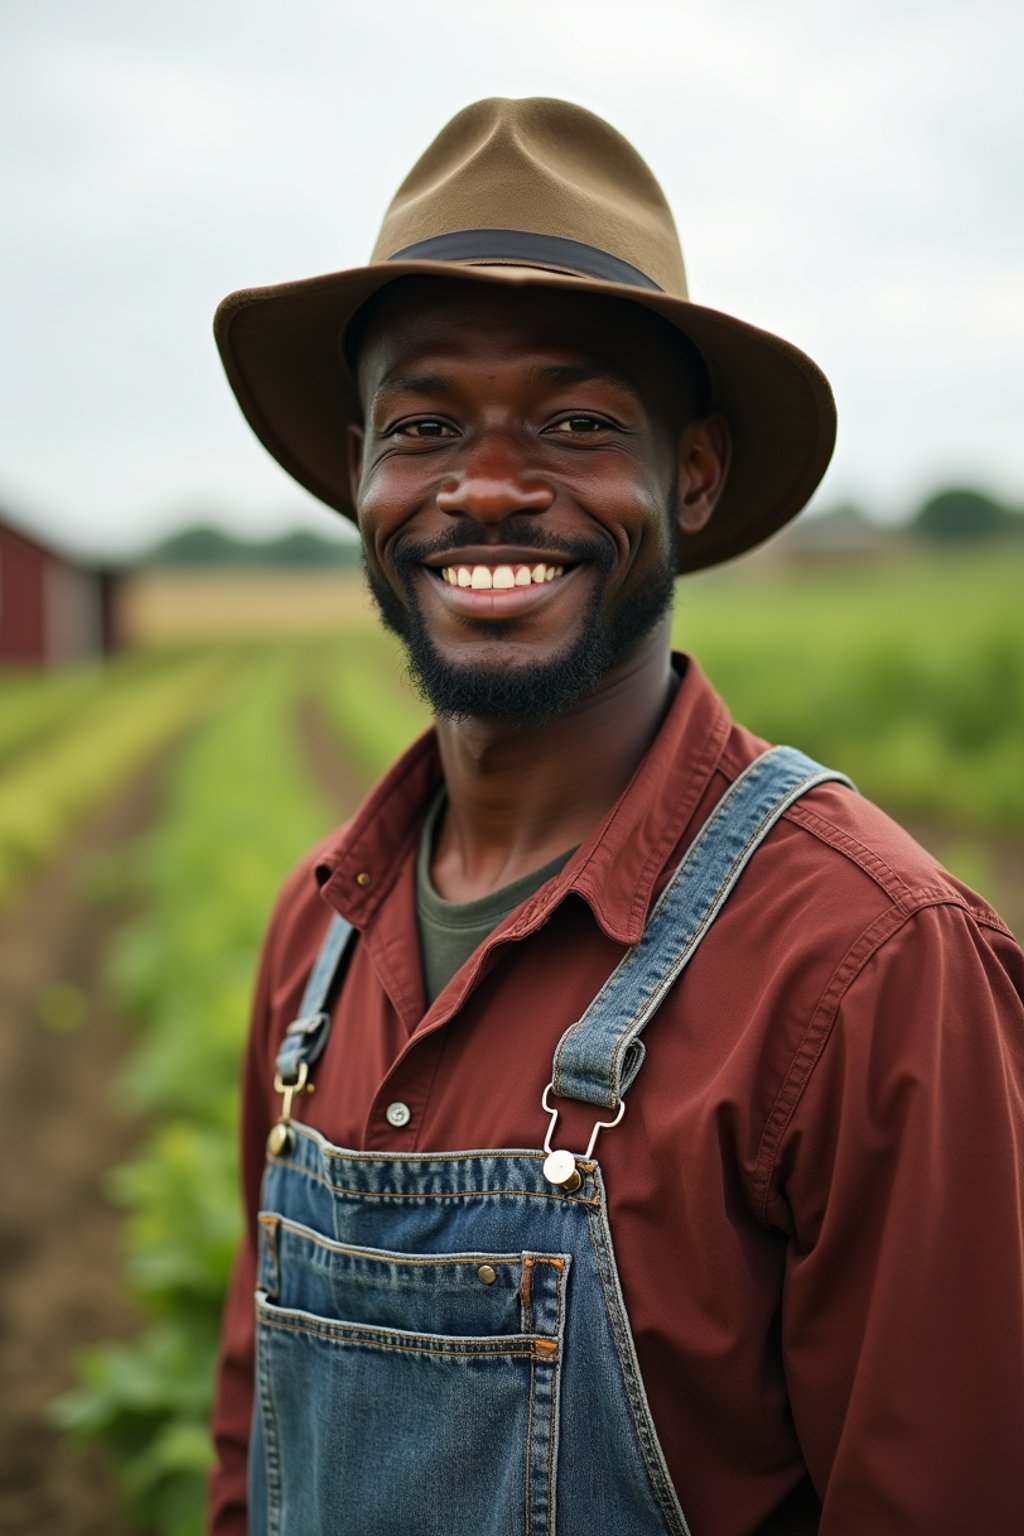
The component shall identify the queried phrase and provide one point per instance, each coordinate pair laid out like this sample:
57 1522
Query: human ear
354 446
705 449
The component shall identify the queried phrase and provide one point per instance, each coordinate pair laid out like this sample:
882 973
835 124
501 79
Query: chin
513 685
517 690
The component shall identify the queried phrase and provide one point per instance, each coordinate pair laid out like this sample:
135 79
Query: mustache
407 554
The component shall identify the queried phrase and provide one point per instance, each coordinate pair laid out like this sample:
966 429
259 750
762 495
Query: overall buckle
559 1166
280 1139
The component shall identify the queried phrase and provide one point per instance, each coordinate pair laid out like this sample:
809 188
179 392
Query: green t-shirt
451 930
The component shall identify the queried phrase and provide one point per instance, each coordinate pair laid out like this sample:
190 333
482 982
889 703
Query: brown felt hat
537 193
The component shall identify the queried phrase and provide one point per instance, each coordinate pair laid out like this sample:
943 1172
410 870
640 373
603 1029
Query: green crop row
36 707
32 706
49 787
372 710
239 810
910 676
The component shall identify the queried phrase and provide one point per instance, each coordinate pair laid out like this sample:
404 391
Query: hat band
531 249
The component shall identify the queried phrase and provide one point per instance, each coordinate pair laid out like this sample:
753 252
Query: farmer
663 1170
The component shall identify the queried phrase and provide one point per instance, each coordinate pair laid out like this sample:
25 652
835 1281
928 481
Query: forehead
414 317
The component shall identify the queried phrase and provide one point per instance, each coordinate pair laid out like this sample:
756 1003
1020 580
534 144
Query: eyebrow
412 384
561 375
584 373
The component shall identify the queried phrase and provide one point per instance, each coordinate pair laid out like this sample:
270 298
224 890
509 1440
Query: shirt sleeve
232 1414
901 1176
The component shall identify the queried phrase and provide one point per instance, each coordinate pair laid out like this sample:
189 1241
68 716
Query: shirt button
398 1114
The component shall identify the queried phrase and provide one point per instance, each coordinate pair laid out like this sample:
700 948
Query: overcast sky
849 175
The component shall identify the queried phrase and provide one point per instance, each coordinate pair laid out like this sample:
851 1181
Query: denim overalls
442 1343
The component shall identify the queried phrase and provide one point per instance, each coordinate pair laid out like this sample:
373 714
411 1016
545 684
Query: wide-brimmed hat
536 193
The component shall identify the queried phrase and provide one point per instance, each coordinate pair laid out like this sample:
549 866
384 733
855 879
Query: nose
494 484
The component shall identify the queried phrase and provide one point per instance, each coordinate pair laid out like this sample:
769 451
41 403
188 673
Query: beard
533 693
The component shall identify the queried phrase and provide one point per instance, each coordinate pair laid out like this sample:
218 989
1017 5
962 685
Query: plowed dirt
61 1046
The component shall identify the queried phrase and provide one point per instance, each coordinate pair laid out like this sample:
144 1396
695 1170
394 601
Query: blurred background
192 688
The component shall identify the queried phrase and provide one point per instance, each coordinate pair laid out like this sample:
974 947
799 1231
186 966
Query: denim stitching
552 1429
344 1335
464 1259
528 1525
436 1194
560 1270
271 1443
664 1494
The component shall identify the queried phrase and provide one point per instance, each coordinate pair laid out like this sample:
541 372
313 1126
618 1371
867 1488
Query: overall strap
305 1039
598 1057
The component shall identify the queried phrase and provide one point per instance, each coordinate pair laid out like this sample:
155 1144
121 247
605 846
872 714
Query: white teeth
484 578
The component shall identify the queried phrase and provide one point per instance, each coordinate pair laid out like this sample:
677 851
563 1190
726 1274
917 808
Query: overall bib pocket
411 1392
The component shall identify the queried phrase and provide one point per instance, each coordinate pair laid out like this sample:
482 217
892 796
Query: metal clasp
288 1091
560 1166
280 1138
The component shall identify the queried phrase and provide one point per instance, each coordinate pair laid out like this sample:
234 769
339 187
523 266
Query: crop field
149 811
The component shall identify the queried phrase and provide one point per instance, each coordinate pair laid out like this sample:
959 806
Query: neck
520 795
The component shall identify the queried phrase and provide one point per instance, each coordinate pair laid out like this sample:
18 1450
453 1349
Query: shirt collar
615 870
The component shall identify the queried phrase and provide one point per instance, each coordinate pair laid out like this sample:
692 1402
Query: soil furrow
61 1047
340 780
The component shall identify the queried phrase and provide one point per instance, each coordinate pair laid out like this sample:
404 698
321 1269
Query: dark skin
485 404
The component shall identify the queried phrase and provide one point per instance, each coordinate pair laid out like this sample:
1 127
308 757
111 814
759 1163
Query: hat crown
541 166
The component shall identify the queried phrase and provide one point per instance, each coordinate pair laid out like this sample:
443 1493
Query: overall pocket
406 1392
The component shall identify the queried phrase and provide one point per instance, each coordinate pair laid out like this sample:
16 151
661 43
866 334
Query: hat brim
280 349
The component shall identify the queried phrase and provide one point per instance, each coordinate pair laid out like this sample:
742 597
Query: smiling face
528 467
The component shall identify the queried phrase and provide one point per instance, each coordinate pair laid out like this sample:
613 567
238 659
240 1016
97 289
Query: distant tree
206 545
963 515
837 531
308 549
199 545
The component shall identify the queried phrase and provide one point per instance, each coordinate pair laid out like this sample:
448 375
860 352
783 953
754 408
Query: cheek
393 492
379 512
635 513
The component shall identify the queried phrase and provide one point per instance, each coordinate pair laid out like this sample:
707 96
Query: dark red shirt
816 1191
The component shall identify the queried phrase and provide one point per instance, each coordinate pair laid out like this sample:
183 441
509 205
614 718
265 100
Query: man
510 1274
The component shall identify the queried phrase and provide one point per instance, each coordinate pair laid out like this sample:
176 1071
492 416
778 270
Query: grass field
909 676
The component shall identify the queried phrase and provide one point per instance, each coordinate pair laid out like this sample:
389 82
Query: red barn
53 608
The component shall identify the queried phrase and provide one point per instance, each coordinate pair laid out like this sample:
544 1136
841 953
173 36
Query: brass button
363 877
280 1139
487 1274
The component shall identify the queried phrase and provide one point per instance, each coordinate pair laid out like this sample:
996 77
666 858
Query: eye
425 427
578 425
